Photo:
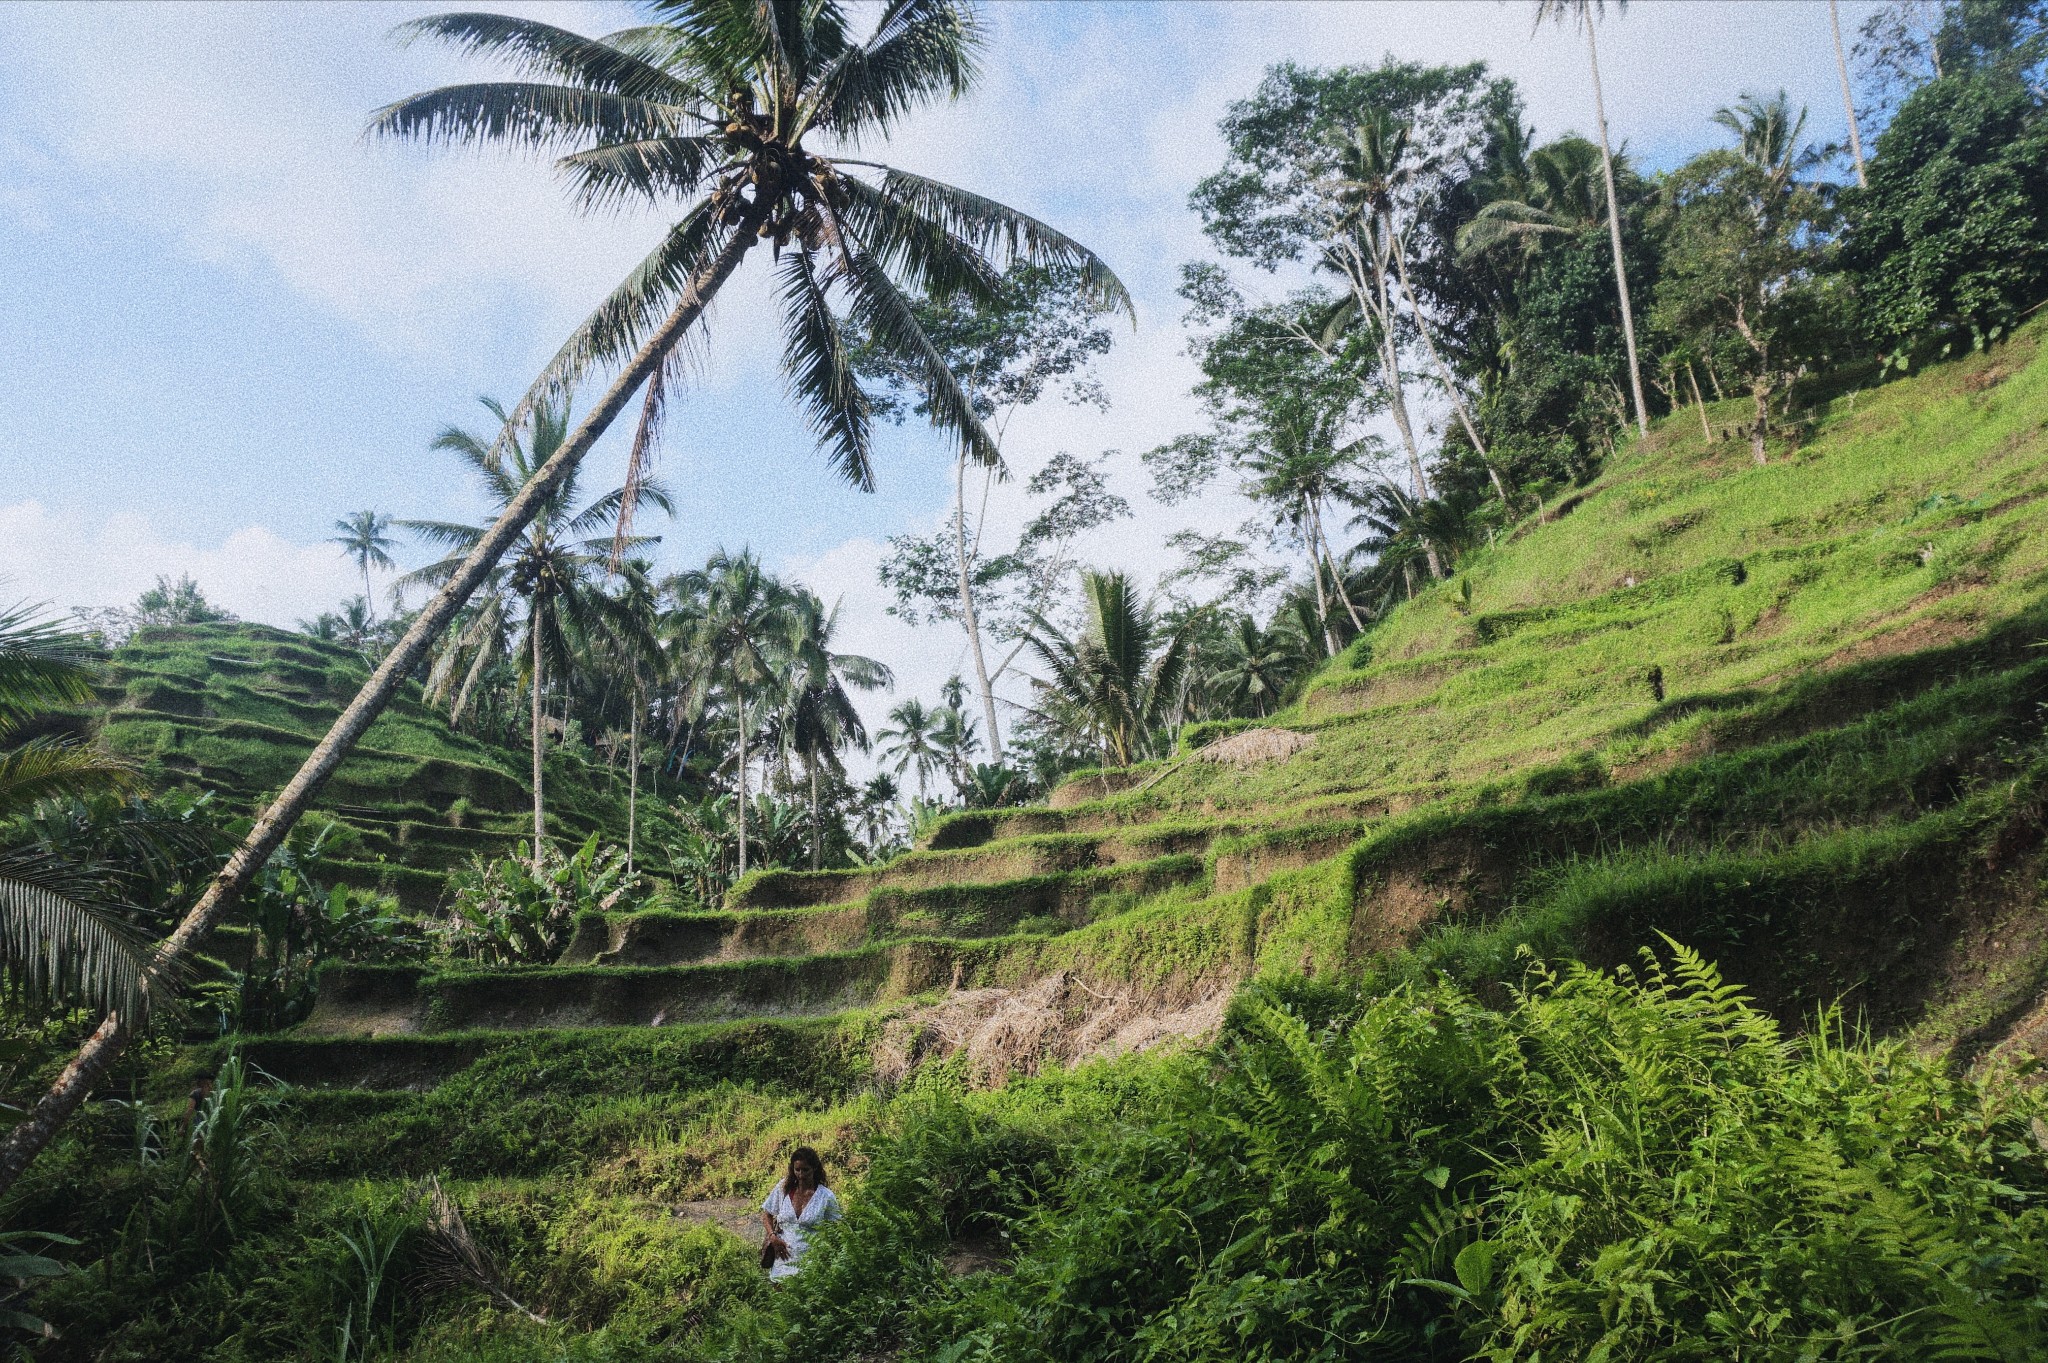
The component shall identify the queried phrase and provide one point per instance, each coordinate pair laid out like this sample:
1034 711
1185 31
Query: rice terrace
726 680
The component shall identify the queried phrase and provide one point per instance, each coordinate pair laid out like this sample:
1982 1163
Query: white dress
797 1226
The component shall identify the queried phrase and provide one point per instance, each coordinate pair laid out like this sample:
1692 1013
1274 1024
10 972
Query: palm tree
1302 466
716 107
1584 13
59 939
363 539
1848 96
709 108
877 801
478 648
1554 191
1254 666
913 740
1369 170
749 626
822 717
954 736
552 571
1121 678
1767 135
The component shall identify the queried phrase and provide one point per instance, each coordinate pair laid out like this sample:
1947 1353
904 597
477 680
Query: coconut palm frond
60 942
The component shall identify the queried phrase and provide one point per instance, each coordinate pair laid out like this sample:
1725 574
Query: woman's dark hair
805 1153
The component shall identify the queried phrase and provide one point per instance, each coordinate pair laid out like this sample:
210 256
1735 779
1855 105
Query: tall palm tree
60 941
954 736
1121 677
631 642
1369 170
363 539
1303 464
1584 13
913 740
877 801
749 625
479 646
822 718
553 571
1768 135
708 108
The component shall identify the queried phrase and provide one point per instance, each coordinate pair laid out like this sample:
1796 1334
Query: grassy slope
235 708
1839 794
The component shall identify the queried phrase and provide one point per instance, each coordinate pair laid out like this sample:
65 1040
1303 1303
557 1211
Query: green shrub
1627 1165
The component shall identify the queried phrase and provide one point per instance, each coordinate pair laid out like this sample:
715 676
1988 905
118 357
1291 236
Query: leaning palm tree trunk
90 1065
1628 317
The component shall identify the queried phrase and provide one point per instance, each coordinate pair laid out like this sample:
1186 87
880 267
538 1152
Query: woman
795 1207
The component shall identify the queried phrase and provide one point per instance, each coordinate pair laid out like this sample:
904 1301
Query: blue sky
226 319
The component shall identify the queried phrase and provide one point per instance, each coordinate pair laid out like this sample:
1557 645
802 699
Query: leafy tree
1285 421
361 537
1742 245
1073 497
1952 235
1333 169
1041 331
1118 681
175 603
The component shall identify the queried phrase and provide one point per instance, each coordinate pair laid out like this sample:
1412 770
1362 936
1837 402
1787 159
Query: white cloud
71 561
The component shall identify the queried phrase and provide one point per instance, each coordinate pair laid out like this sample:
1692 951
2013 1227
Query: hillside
234 708
1789 715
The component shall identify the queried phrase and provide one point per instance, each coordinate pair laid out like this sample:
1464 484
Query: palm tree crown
361 536
741 111
1122 676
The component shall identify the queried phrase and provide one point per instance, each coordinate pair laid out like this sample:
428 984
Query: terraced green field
235 708
1790 715
1785 713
